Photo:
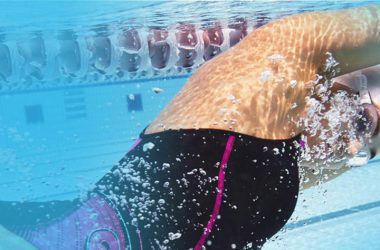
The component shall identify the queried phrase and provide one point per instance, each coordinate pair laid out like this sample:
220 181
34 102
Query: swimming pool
59 132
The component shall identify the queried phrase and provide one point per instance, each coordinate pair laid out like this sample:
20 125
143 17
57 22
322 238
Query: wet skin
248 88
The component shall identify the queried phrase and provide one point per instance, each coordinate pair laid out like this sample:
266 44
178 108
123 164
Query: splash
330 122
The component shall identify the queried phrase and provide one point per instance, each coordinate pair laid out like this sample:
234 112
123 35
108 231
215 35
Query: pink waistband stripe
219 194
137 142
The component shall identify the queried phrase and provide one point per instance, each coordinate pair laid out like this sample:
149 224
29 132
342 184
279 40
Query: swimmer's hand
9 240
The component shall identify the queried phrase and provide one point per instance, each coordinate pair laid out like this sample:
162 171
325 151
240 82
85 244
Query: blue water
58 137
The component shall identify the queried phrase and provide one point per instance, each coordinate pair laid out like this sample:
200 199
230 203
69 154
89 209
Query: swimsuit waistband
212 131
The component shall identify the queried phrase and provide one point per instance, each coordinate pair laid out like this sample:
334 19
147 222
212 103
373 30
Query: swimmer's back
258 87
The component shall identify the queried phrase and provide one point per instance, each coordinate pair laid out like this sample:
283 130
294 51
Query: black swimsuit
184 189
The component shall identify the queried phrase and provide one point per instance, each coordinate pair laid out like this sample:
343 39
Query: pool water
59 133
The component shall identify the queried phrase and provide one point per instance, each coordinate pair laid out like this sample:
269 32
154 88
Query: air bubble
276 151
293 83
161 201
157 90
174 236
148 146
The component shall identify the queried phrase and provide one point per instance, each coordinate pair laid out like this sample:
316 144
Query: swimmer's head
372 75
375 139
366 83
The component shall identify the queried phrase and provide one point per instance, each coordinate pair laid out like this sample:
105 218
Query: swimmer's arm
301 42
9 240
264 64
352 36
355 39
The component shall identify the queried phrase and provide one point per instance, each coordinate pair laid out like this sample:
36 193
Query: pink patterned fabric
94 225
302 143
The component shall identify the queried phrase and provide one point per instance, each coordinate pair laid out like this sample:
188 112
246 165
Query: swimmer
219 167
